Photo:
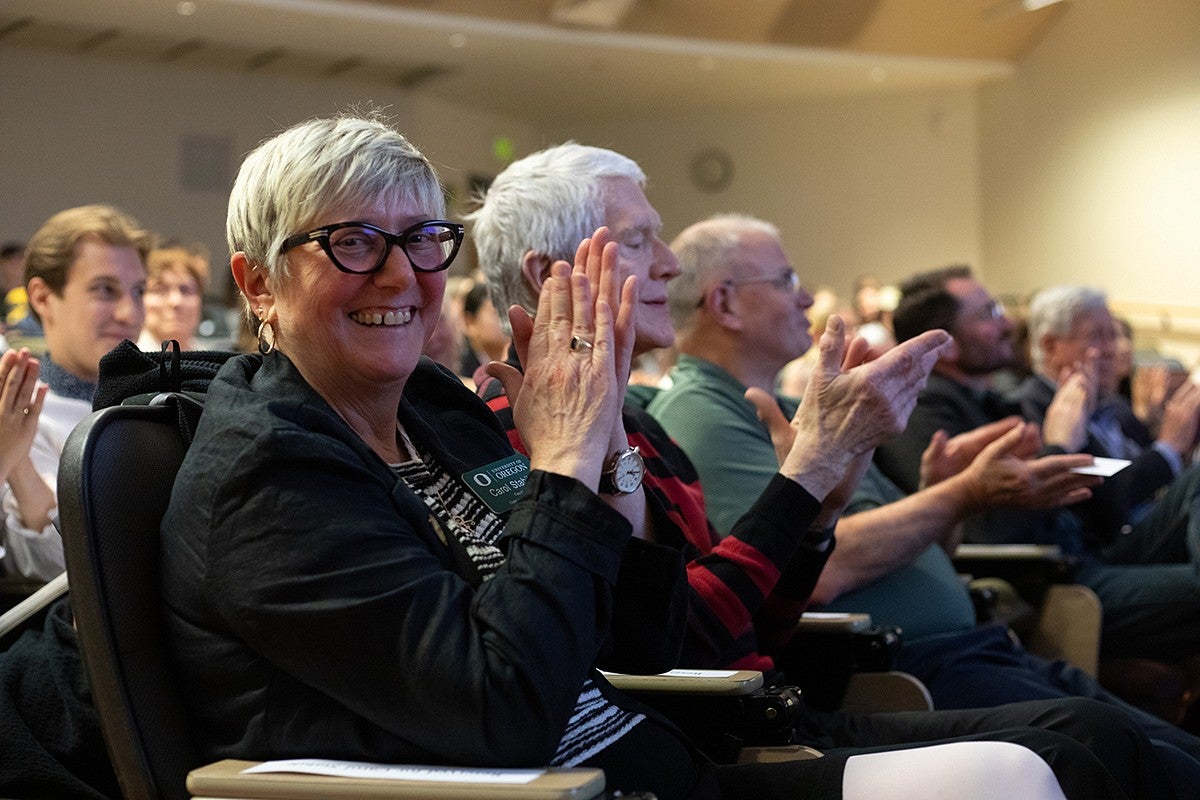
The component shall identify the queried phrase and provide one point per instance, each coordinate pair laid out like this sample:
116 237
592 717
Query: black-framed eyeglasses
361 249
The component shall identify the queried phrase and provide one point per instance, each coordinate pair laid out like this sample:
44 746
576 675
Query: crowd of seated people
868 314
15 319
484 339
322 525
469 333
739 614
737 324
445 344
85 277
341 422
1133 552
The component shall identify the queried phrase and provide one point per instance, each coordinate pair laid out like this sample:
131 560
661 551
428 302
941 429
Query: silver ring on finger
25 411
579 343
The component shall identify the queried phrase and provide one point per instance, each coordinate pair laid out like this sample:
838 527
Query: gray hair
705 250
288 181
1053 312
546 202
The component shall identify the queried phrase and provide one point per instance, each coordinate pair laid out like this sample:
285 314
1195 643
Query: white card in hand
1104 467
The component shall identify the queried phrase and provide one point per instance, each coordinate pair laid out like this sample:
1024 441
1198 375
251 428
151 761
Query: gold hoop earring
266 344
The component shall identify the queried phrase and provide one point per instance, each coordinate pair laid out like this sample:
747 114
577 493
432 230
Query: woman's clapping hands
576 353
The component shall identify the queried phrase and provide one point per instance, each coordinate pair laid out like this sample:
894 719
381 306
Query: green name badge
500 483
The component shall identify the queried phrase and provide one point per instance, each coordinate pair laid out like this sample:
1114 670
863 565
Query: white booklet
1104 467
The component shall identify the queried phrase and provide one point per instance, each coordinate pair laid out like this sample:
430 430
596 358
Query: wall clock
711 170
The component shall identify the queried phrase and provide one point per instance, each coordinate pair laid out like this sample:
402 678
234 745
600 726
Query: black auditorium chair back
114 483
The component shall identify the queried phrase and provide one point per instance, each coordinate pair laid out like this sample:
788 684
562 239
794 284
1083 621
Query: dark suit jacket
1109 509
948 405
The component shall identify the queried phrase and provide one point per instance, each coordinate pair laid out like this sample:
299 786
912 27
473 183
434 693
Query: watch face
627 472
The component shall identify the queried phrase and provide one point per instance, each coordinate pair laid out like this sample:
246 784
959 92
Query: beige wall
76 130
885 186
1090 165
880 185
1087 163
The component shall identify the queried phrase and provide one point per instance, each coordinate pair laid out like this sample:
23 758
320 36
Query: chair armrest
1007 552
15 588
824 652
228 779
774 755
690 681
16 618
1065 624
1030 568
830 622
721 711
876 692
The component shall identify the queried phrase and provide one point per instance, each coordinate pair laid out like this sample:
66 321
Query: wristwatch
623 472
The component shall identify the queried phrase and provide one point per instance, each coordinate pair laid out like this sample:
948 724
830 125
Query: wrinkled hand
1067 416
783 436
767 409
851 405
568 402
947 456
589 257
1000 478
1181 417
21 401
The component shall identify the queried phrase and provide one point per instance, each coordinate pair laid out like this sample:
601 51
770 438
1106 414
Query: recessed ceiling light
458 40
185 8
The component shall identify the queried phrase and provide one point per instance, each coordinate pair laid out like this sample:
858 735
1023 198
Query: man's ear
252 280
536 269
720 304
39 296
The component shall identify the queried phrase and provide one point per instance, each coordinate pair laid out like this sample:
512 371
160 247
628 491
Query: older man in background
1150 610
1145 516
535 212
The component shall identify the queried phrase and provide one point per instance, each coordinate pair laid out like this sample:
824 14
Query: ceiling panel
510 57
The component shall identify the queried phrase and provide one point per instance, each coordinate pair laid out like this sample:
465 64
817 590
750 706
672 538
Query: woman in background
176 277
